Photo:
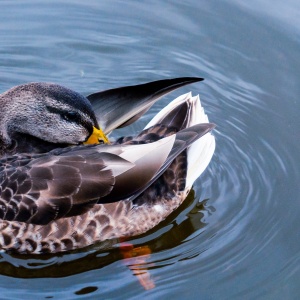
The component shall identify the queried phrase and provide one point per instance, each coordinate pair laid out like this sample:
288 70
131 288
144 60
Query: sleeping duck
65 186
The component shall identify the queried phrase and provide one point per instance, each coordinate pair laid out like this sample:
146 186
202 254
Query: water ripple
236 236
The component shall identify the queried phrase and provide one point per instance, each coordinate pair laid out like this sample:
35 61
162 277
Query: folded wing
51 186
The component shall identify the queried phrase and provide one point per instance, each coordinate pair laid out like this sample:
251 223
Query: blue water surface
237 235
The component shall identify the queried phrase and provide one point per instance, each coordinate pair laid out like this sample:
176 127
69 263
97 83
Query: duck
65 185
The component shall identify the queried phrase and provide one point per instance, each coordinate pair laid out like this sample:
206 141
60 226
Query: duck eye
71 116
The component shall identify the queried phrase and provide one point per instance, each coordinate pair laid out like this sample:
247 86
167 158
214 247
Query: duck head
39 117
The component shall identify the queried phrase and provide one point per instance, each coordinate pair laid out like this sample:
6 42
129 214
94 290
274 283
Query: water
237 235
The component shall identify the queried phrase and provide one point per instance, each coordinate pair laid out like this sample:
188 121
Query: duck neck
26 143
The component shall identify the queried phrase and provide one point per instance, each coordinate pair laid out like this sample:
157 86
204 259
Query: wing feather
52 186
122 106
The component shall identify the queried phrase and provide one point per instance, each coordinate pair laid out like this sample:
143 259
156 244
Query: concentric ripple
237 234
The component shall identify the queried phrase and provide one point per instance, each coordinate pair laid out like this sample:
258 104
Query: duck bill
97 137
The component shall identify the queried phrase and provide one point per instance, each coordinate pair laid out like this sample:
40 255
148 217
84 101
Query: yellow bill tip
97 137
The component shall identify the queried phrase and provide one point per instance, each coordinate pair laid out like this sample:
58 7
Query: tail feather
184 112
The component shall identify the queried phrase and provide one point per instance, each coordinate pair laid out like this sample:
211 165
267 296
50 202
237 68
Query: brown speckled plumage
72 197
102 222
